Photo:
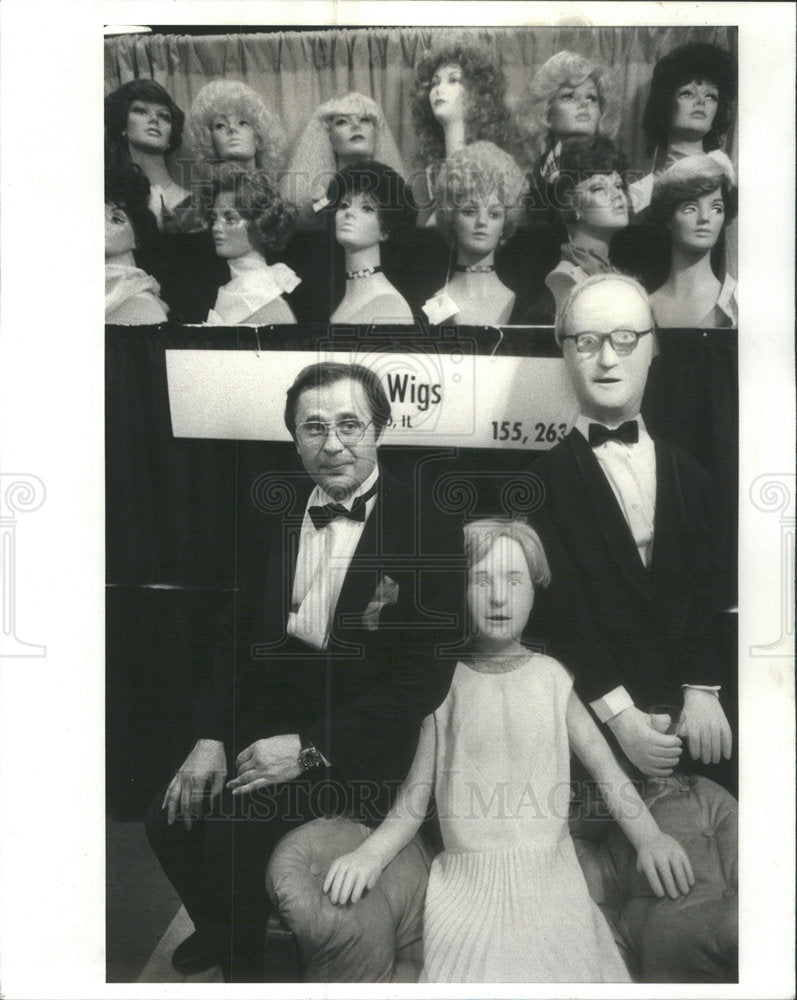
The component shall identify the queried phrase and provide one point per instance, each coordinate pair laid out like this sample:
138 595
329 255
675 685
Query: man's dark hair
327 373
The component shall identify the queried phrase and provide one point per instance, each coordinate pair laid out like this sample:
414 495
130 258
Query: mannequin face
575 110
353 137
119 235
448 94
609 386
357 224
697 222
500 594
233 138
149 126
601 203
479 224
695 108
229 228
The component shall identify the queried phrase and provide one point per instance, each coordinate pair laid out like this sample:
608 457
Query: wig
117 106
563 314
565 69
695 61
479 170
481 535
486 114
270 220
231 97
327 373
313 163
127 187
392 197
582 157
688 178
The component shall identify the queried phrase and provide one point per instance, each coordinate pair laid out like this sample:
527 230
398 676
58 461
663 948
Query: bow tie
322 515
627 433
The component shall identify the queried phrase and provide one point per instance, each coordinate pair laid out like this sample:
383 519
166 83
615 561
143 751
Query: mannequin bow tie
628 433
322 515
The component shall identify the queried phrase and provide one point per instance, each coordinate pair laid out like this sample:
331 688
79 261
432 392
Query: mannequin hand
665 864
706 726
654 753
351 875
267 762
205 765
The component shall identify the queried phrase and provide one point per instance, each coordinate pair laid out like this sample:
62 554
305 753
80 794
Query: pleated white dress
506 900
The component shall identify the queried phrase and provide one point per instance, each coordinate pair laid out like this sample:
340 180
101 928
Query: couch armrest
375 940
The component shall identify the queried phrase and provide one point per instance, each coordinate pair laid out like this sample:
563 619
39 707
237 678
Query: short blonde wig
231 97
481 535
313 163
691 177
479 170
565 69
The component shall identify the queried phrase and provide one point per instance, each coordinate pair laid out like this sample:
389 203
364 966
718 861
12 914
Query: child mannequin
506 900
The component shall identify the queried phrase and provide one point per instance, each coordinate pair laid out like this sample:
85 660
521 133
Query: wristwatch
309 757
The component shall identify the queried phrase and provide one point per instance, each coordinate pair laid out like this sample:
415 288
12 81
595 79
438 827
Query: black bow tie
627 432
321 516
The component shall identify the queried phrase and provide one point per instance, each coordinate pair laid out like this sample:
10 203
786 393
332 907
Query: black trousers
218 867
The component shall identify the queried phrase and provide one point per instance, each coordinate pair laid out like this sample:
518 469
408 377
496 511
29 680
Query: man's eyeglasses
623 341
315 432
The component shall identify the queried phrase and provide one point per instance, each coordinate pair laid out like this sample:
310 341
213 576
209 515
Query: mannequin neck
125 259
361 260
690 267
470 258
454 135
153 165
590 239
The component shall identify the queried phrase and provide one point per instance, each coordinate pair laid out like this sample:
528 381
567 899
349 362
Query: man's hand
666 865
267 762
352 875
706 726
652 752
205 765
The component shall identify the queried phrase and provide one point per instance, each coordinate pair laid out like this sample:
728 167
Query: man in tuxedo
332 653
634 618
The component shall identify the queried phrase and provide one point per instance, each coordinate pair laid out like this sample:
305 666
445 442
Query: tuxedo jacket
395 638
607 617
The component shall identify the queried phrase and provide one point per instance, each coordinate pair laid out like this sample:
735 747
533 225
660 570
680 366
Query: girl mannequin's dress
131 295
506 899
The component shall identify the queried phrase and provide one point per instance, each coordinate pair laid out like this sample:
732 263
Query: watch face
310 758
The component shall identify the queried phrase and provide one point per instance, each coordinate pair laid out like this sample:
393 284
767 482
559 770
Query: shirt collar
319 496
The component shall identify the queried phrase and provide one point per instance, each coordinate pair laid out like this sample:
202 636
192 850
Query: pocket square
386 593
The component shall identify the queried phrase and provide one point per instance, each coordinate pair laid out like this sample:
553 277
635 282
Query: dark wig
270 220
117 106
127 187
486 114
392 197
694 61
327 373
581 157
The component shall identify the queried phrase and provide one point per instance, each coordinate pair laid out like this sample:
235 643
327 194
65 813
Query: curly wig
392 197
478 171
564 69
688 178
270 220
694 61
117 106
313 162
486 115
481 535
127 187
231 97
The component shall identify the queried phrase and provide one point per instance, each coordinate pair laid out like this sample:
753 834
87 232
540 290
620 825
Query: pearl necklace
475 268
365 272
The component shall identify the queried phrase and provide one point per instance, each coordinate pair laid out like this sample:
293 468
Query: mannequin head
691 79
459 79
694 199
380 204
129 224
140 114
230 123
569 95
248 214
590 188
479 186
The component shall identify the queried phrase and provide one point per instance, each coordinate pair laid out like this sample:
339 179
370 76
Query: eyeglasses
623 341
315 432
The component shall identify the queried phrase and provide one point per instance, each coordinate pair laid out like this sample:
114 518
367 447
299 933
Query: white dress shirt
630 470
321 565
